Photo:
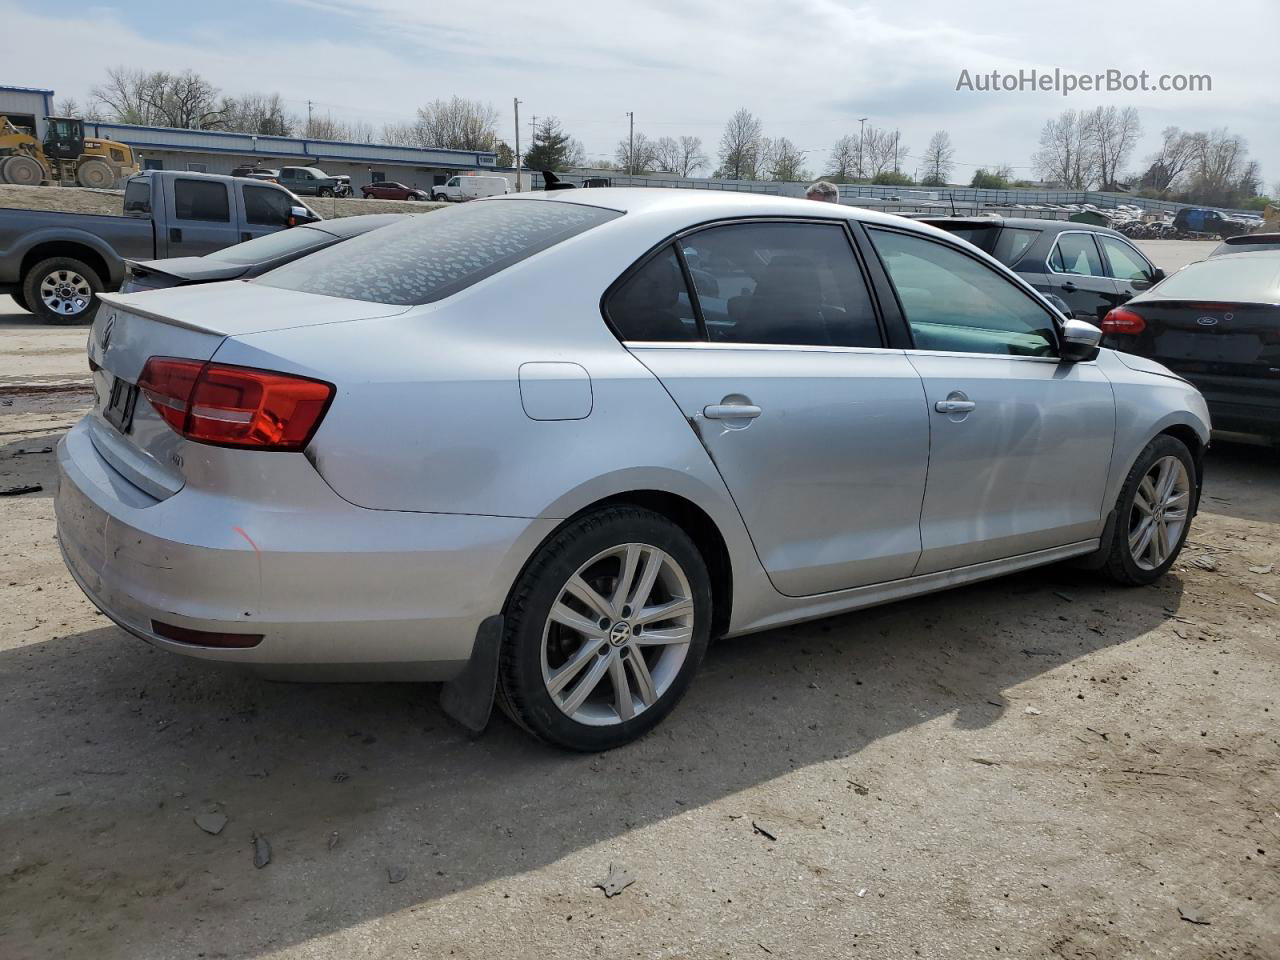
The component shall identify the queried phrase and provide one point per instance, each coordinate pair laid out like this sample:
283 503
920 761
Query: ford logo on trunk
1208 321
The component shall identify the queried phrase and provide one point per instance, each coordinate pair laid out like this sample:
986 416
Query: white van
470 188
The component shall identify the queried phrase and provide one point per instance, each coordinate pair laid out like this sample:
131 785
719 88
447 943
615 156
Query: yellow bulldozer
66 156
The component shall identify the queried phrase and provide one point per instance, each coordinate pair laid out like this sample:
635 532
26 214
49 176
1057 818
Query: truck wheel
324 192
23 172
96 174
62 290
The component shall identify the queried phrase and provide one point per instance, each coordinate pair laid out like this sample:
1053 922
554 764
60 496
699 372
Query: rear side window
433 256
137 196
653 303
781 283
1006 244
1076 253
266 207
201 200
956 304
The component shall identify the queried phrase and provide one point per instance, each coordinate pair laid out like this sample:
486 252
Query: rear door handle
954 406
245 236
1069 287
175 235
731 411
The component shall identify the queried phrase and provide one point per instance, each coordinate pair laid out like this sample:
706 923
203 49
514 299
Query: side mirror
299 215
1157 275
1080 341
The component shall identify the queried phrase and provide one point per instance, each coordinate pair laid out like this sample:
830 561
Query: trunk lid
191 323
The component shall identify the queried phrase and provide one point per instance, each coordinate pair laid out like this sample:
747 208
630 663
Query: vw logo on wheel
620 633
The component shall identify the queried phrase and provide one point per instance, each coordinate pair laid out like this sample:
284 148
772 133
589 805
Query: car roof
354 226
1025 223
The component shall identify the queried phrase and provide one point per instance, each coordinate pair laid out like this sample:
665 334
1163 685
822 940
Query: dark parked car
1216 323
312 182
253 257
390 190
1093 269
1247 243
1195 220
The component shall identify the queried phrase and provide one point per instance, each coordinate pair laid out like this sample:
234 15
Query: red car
389 190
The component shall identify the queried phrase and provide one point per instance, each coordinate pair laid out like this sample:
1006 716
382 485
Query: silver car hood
235 307
1146 365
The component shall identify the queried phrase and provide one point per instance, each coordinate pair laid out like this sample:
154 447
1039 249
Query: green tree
984 179
553 148
890 178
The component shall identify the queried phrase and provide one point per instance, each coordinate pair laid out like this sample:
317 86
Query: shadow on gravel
110 748
27 461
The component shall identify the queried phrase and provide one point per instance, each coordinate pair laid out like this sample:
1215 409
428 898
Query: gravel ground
1039 766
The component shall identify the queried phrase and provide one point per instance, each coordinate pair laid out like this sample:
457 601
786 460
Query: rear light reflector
204 638
230 406
1121 320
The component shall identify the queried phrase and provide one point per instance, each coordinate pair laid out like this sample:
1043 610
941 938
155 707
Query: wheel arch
86 253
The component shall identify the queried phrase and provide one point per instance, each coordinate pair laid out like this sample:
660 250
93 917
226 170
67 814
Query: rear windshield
273 245
1242 278
1006 244
433 256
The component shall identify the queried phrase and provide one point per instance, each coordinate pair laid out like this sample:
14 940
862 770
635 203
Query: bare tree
683 156
637 154
782 160
160 98
1221 171
740 146
456 124
1112 133
938 159
883 150
262 114
1176 153
843 161
1066 155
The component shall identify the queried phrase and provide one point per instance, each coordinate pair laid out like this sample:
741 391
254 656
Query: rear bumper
1262 418
336 591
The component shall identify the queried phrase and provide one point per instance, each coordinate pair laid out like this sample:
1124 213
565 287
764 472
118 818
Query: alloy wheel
617 635
1161 507
66 292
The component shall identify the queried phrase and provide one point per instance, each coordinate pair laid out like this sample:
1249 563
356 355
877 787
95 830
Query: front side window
428 258
452 182
201 200
954 303
1077 254
267 207
1125 262
137 196
653 303
781 283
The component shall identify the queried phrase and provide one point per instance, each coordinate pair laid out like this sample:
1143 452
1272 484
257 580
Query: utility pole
516 104
308 119
631 145
862 122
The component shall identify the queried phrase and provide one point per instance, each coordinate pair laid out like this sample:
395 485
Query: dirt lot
1041 766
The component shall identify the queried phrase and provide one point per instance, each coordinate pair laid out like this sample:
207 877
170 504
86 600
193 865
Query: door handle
731 411
245 236
175 235
954 406
1069 287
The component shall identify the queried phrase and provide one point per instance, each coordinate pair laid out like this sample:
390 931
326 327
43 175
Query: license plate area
120 404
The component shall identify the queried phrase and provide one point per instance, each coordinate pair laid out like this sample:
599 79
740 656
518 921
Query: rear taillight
1121 320
235 406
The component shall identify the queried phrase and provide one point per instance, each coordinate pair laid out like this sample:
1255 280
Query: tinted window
137 195
1242 278
201 200
1076 253
1124 260
273 245
955 303
653 303
430 257
1006 244
783 283
265 206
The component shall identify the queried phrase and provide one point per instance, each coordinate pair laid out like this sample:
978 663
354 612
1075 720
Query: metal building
26 107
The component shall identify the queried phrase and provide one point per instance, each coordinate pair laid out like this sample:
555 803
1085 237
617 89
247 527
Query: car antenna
551 182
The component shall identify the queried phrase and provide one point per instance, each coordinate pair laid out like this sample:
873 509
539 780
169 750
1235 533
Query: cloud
808 68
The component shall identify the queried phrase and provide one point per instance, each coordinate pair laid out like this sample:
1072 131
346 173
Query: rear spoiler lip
1197 303
113 300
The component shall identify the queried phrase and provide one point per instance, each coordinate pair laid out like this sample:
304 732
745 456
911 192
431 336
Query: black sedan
1216 323
251 258
1247 243
1092 269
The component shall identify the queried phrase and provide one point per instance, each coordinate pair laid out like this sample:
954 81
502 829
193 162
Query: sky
809 69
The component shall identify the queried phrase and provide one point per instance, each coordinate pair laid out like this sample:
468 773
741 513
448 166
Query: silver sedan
543 448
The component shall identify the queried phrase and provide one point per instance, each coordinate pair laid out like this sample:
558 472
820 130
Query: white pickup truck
470 188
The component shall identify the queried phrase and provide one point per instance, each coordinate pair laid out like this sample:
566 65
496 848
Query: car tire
1153 513
575 668
62 290
324 192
